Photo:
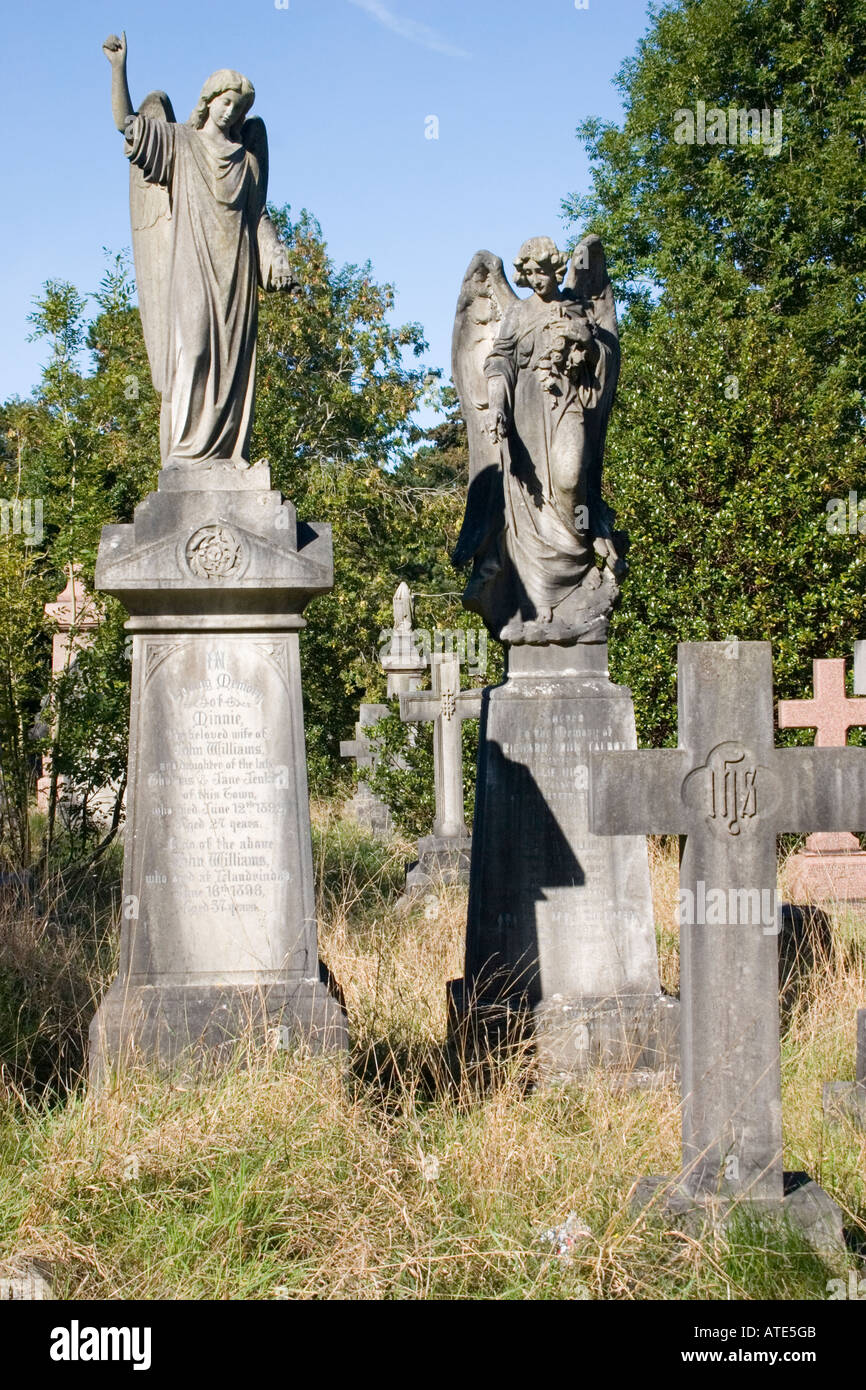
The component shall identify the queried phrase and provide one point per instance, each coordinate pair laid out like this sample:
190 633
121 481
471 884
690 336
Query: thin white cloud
409 29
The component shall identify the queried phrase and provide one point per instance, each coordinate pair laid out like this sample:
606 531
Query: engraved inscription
731 790
567 884
216 856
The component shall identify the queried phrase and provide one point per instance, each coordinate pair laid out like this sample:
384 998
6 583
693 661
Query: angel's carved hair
223 80
543 250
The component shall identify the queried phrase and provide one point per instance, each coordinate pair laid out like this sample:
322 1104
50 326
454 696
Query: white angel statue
203 242
536 379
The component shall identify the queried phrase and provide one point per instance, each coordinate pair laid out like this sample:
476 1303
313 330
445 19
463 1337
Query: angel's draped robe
222 244
550 436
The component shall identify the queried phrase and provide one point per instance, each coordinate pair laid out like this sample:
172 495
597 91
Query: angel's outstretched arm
114 49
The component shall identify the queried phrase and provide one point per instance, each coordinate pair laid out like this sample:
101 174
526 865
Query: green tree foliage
740 411
432 484
24 653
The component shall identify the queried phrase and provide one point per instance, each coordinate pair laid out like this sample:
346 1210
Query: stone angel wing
150 215
255 140
485 296
588 282
273 258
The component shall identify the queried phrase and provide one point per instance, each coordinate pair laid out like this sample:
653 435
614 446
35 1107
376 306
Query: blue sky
345 88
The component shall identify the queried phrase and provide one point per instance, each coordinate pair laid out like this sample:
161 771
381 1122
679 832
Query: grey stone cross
728 792
366 807
446 706
361 748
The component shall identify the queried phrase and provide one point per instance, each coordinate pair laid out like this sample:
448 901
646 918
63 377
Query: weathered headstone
832 868
443 856
76 616
848 1098
219 942
365 807
219 930
728 792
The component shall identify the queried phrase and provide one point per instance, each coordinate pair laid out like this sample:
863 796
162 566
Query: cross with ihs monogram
728 792
446 706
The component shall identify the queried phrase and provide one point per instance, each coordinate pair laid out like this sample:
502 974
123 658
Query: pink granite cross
831 714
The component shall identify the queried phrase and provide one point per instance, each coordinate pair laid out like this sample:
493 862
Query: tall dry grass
297 1176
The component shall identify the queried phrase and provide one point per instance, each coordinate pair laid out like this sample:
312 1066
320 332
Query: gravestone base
803 1205
202 1028
369 810
441 859
847 1099
636 1036
639 1034
219 942
832 868
560 939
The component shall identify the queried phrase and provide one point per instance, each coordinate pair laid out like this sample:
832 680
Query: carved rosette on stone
214 552
219 942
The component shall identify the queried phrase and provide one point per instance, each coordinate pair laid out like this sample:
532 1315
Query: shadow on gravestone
543 882
508 974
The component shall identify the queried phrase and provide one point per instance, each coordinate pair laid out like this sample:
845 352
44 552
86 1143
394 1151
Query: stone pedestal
441 859
832 868
801 1203
219 937
847 1099
560 930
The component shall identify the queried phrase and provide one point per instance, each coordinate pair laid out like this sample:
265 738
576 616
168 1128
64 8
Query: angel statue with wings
536 379
203 242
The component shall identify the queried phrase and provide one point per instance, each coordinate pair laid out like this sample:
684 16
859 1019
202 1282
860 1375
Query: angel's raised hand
285 280
114 48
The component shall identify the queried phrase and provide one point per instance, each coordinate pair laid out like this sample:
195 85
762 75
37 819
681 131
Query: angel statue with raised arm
536 379
203 242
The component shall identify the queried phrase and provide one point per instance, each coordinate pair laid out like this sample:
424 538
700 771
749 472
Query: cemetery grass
395 1175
